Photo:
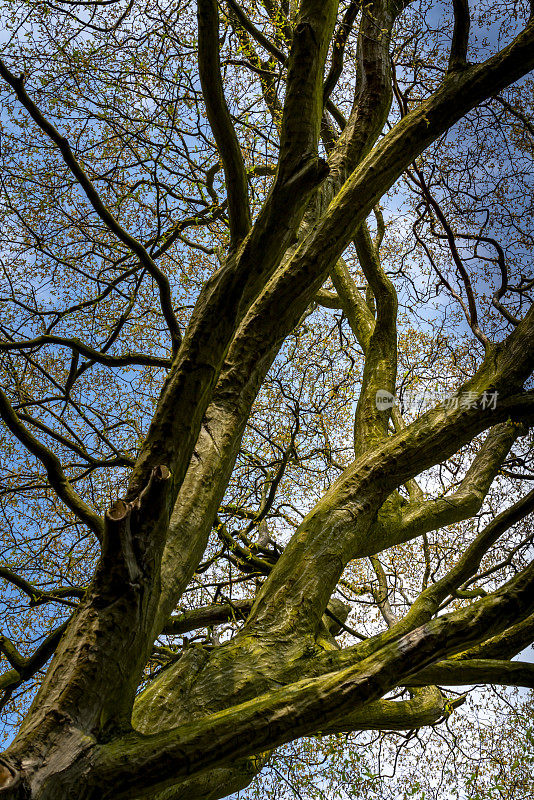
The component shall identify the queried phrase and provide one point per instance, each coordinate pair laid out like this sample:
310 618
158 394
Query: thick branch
427 707
220 121
188 390
399 523
506 644
357 311
373 87
338 526
380 369
472 671
460 36
303 105
138 761
428 601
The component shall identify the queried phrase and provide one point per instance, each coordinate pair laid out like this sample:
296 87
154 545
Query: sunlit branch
506 644
428 601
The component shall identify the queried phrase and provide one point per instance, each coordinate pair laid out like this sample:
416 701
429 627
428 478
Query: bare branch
37 595
105 215
129 359
57 478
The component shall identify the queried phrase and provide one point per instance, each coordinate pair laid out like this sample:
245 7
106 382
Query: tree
186 188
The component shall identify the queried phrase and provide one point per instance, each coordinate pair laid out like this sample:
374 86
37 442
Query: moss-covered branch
471 671
137 761
338 527
399 522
